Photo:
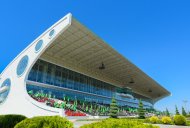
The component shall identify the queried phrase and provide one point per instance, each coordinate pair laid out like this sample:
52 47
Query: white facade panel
18 101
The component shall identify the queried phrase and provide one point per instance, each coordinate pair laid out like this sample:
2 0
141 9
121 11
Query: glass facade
4 90
22 65
60 94
65 82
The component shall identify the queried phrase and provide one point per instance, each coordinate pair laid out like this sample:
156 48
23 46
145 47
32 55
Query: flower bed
74 113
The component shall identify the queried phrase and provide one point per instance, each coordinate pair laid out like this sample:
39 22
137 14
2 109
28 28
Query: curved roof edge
167 93
49 28
109 48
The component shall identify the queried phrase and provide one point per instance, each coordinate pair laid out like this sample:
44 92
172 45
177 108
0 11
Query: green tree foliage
141 111
184 112
167 112
113 108
176 111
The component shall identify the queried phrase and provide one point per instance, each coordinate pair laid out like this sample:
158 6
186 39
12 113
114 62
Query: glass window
40 73
33 75
22 65
38 45
45 72
4 90
51 33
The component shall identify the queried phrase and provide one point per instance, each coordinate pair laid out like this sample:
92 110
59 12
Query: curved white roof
70 44
81 50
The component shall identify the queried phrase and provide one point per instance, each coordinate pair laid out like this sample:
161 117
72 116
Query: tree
167 112
184 112
113 108
176 111
91 108
141 110
87 108
83 105
63 104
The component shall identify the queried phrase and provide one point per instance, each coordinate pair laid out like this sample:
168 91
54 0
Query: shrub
113 108
179 120
188 123
154 119
166 120
45 122
119 123
146 120
141 111
9 121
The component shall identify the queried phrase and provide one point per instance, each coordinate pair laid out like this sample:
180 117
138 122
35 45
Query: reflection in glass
4 90
51 74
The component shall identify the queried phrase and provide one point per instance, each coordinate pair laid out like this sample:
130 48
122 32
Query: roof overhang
79 49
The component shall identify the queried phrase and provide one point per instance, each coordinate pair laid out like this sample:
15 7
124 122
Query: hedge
154 119
166 120
119 123
45 122
179 120
9 121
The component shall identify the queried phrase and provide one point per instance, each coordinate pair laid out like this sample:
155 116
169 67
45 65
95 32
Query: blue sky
153 34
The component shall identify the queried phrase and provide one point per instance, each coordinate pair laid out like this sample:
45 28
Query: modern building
69 65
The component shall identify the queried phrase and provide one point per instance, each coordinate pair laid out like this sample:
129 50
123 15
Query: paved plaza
172 126
77 124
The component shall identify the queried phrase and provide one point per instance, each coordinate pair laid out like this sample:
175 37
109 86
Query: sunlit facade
68 67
